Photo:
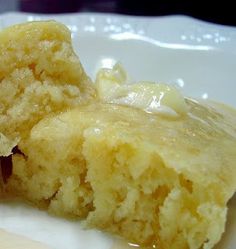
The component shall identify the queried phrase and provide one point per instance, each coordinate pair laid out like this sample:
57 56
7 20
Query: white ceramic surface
196 56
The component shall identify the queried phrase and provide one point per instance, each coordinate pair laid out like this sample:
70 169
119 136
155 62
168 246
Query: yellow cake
40 74
149 179
140 161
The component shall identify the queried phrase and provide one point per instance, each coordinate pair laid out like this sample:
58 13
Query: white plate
196 56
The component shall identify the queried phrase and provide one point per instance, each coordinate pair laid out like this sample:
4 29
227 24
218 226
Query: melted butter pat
113 87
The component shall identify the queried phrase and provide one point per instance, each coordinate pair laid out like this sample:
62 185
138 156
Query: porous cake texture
40 74
150 178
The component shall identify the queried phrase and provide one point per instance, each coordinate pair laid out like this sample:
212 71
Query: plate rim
184 29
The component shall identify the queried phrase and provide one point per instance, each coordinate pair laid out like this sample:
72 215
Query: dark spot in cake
16 150
6 167
6 164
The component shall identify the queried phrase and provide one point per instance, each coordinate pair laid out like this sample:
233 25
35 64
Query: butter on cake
151 178
40 74
141 162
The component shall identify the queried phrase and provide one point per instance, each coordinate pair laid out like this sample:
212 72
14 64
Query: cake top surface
200 145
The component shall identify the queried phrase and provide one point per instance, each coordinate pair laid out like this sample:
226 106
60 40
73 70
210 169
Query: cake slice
151 179
39 75
139 161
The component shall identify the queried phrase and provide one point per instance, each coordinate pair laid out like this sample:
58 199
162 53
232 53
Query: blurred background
221 12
